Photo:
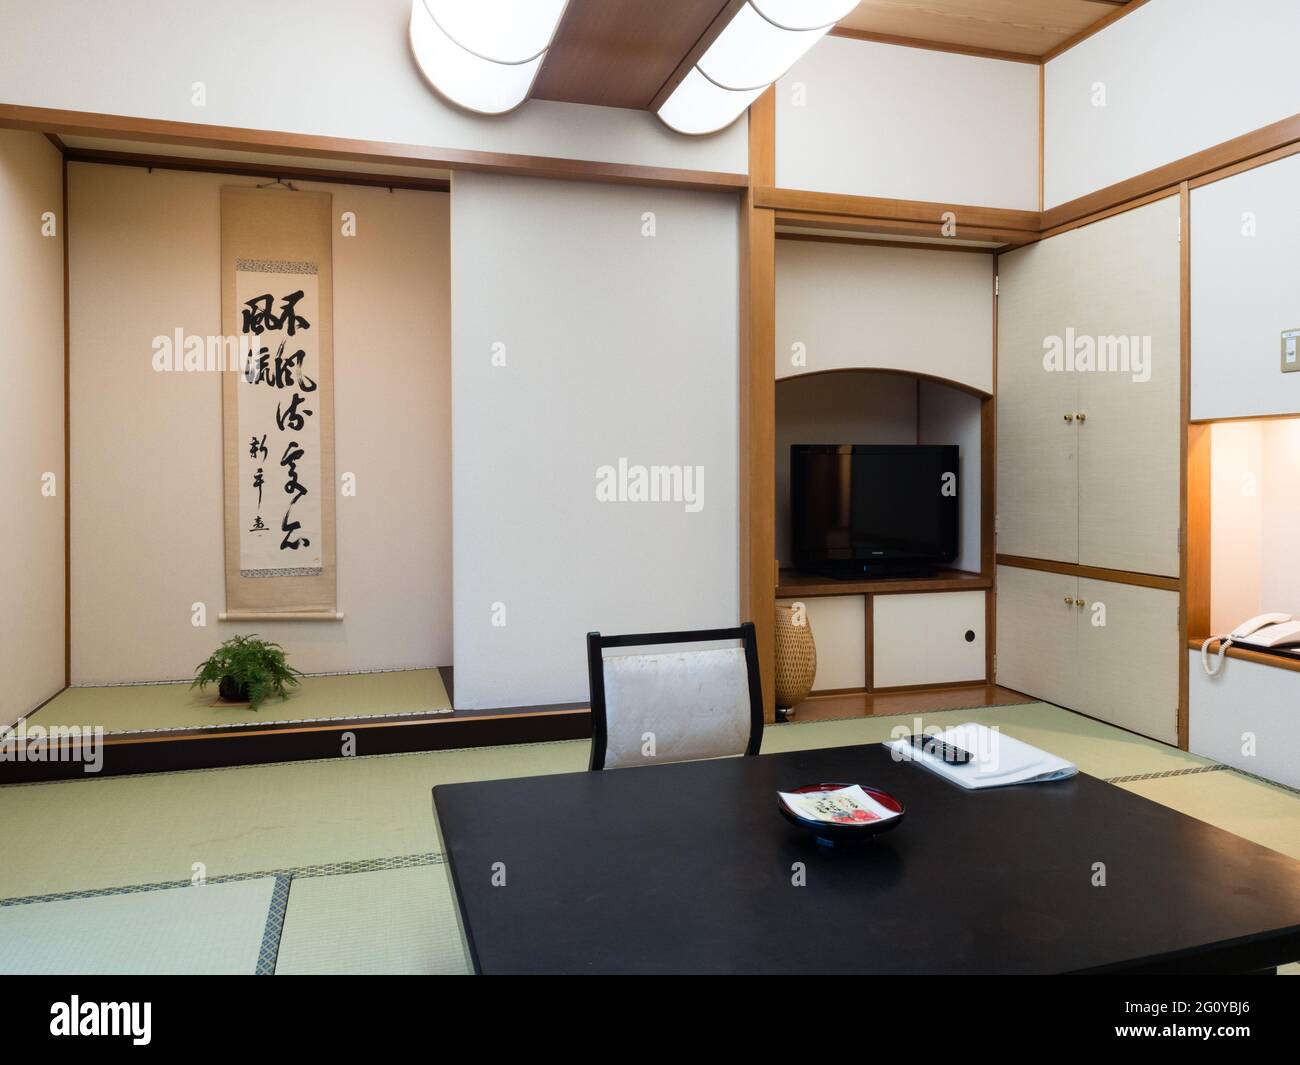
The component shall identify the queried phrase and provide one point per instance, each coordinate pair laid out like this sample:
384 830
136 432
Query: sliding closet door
1129 438
1037 513
1129 657
1037 620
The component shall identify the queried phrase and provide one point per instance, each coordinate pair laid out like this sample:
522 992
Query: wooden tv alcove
892 635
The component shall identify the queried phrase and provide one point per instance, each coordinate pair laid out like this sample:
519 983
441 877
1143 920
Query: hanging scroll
278 424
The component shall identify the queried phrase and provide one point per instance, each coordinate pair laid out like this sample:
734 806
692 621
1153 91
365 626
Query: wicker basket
796 656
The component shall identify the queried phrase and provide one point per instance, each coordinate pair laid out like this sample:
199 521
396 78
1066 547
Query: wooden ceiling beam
1118 13
620 53
720 22
934 46
1013 30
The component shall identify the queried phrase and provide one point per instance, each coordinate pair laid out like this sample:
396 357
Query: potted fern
246 669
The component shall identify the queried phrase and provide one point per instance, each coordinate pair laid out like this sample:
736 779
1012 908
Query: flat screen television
867 510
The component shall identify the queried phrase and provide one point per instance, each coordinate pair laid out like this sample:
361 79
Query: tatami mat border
259 723
1215 768
1188 771
269 953
190 680
1263 780
360 865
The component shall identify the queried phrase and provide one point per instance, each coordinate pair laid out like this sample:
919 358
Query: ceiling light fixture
698 106
483 55
763 40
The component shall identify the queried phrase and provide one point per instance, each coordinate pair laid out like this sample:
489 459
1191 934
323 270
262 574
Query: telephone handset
1263 630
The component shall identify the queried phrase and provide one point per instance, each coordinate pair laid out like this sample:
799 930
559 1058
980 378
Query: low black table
690 867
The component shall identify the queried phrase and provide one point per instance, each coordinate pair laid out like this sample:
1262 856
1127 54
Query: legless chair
674 706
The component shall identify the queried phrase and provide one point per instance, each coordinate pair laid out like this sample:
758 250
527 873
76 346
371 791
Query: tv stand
878 571
794 584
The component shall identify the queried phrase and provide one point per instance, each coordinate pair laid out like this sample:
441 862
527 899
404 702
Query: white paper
997 759
845 806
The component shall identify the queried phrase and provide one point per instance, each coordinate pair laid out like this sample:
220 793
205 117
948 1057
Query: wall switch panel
1290 350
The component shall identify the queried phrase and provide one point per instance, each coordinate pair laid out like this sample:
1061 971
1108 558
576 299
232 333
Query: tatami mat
148 707
1096 748
151 828
355 839
1257 811
1253 809
210 928
393 921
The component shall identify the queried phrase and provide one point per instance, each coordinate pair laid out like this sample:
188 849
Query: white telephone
1263 630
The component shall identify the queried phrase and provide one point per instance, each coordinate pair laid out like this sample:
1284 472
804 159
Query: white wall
1237 492
1179 76
146 446
617 345
1245 291
1255 514
949 416
1280 532
338 68
918 311
31 424
871 119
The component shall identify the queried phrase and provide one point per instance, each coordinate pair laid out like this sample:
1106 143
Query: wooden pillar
757 474
1194 526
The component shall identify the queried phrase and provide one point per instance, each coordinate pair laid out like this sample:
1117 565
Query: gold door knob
1082 415
1080 602
1068 600
1069 417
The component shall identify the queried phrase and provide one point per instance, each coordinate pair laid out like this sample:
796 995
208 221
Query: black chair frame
596 644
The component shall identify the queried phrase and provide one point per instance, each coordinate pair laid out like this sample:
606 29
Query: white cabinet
839 629
1037 460
927 638
1246 717
1245 280
1106 649
1036 622
1089 386
908 640
1129 657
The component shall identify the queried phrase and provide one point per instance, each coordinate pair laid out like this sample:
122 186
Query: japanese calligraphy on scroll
280 531
278 407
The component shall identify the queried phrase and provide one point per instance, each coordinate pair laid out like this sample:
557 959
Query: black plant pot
232 691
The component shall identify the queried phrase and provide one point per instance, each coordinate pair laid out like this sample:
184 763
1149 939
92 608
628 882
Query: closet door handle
1080 602
1069 600
1082 415
1069 417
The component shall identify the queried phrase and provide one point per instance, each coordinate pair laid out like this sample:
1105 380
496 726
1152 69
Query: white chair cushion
680 706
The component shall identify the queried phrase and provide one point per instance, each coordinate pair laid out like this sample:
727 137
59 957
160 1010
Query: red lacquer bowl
849 831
